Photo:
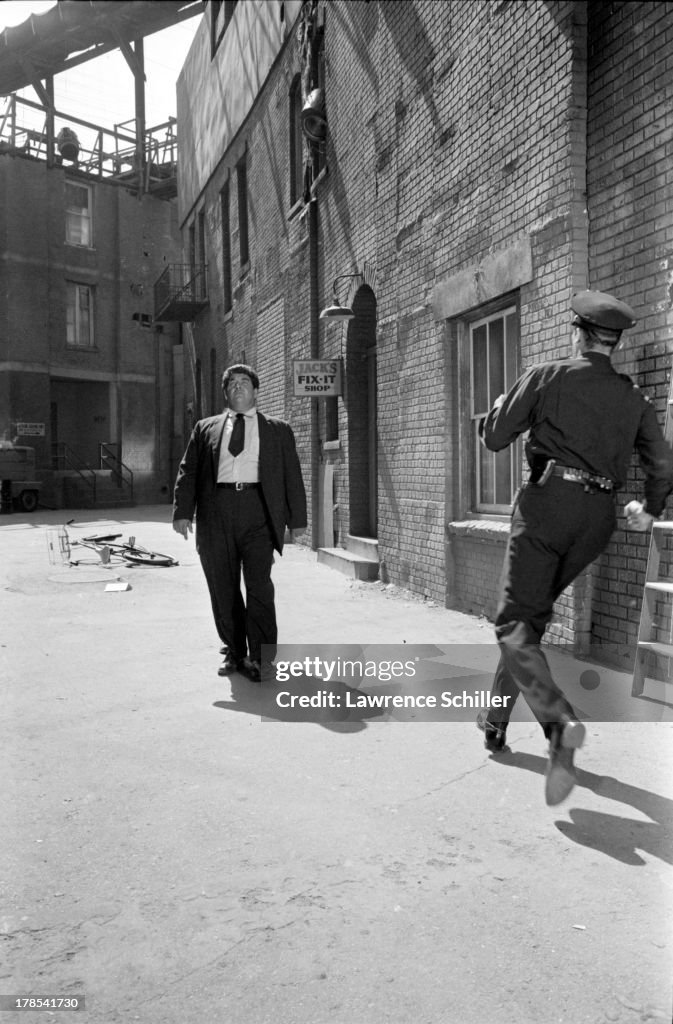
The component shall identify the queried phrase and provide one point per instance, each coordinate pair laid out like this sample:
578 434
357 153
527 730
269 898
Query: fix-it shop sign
317 378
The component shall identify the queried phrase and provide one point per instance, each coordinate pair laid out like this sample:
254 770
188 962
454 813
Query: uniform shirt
245 467
584 414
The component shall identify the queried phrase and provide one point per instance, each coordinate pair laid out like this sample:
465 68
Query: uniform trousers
557 530
237 537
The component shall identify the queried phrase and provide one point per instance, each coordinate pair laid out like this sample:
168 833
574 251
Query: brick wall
630 121
133 240
457 173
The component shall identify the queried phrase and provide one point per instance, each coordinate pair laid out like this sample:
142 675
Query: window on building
318 149
192 250
78 210
221 12
79 315
296 142
200 288
494 346
242 181
226 247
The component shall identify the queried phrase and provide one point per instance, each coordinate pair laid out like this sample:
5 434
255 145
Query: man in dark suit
241 475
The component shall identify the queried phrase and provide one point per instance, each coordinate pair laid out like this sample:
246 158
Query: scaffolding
99 152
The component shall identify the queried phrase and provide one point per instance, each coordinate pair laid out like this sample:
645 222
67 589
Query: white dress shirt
245 467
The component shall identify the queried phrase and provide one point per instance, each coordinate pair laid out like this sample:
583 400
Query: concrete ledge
365 547
480 529
349 564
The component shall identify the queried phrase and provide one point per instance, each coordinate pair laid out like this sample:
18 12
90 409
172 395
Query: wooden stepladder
655 589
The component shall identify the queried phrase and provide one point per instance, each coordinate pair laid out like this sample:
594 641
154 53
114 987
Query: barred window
494 346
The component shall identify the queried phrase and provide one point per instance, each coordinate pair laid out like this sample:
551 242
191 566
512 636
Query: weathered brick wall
457 133
630 121
269 323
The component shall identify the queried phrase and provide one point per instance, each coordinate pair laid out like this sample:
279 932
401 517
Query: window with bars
494 348
78 219
79 315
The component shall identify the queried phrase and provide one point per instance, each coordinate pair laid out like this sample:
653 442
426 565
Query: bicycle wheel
148 558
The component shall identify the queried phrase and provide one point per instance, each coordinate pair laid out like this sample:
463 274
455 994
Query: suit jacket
280 478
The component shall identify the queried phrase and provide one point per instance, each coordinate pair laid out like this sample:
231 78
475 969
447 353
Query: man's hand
637 518
183 526
298 532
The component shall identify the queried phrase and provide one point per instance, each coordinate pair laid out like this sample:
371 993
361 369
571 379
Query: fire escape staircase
180 293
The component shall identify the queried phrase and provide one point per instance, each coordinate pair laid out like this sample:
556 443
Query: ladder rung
666 650
665 588
665 524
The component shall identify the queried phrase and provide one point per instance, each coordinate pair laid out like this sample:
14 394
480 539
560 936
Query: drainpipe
315 354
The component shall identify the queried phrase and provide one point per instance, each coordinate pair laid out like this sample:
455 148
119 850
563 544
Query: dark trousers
556 532
237 537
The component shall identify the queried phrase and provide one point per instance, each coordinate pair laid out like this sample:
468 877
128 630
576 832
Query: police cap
601 310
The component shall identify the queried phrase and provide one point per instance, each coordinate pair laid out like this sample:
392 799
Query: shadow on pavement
330 708
615 836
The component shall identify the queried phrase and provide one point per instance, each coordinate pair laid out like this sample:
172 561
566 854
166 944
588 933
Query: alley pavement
177 848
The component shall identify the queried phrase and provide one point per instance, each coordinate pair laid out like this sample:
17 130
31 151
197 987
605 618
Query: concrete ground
176 858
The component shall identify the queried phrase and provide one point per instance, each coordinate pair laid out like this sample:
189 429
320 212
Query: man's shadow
613 835
331 706
334 705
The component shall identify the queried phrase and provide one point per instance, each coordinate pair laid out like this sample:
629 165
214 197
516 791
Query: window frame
243 196
71 211
75 289
225 213
200 290
505 310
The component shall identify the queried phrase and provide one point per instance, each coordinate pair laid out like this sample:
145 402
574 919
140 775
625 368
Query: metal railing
109 457
101 152
64 458
180 284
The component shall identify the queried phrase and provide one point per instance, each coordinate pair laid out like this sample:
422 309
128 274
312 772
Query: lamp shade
337 313
313 121
68 144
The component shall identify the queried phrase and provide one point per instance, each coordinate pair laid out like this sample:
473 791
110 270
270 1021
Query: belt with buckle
581 476
239 485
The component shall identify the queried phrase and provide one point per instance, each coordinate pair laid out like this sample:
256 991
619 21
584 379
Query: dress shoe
494 735
252 669
566 737
229 665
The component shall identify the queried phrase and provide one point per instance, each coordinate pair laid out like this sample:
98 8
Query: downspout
315 354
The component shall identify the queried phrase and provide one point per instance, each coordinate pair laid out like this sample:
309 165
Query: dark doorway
361 391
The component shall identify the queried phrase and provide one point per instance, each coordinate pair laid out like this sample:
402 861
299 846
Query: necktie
237 439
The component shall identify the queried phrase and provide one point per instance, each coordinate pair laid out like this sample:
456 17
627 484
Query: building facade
454 172
85 377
